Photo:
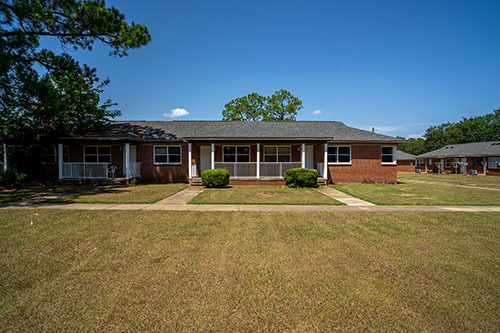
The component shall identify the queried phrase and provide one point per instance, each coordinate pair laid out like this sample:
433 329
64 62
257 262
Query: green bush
215 178
11 177
301 177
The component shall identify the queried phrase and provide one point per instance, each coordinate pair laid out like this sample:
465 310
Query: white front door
132 157
205 155
463 167
310 157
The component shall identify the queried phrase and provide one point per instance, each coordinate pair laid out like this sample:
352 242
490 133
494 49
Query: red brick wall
366 164
152 173
366 167
406 166
493 172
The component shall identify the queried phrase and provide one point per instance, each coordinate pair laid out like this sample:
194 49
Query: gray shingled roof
401 155
489 148
178 130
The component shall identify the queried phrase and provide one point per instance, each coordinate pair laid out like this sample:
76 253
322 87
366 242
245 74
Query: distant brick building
483 157
406 162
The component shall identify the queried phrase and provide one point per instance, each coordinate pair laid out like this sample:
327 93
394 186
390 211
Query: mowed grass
487 181
29 192
132 194
203 271
421 194
263 195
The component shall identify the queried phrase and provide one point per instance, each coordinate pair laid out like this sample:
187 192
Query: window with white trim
97 154
494 162
277 154
420 164
447 163
167 154
388 155
339 154
236 153
429 161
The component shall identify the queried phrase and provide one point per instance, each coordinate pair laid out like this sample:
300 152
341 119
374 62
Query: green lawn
488 181
263 195
198 271
36 191
421 194
138 194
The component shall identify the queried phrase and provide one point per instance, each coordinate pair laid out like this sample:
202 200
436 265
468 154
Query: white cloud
177 112
316 112
415 136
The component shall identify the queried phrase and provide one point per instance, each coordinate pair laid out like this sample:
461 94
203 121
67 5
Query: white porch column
127 160
258 160
303 155
190 160
212 156
325 163
5 161
60 159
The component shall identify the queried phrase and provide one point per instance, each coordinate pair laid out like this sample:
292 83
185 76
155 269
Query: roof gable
401 155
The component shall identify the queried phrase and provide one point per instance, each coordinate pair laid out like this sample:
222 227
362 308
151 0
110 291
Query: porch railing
277 169
239 169
249 169
135 169
82 170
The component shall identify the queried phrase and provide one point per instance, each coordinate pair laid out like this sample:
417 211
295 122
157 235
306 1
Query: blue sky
399 66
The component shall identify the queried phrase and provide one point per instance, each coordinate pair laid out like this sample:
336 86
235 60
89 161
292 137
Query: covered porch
255 161
97 161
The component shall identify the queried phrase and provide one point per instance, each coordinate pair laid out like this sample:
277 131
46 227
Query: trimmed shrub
301 177
11 177
215 178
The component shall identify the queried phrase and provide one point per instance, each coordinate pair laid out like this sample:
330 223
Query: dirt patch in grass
131 194
10 195
197 271
421 194
263 195
480 180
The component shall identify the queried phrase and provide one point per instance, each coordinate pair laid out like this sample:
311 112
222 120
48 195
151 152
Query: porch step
320 181
196 181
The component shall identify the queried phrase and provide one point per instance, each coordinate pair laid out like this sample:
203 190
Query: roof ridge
233 121
468 143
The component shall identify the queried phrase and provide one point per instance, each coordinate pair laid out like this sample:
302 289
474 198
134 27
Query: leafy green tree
281 106
250 107
473 129
415 146
44 95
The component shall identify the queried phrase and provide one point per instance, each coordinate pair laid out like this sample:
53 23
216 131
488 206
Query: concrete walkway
250 208
181 197
345 198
